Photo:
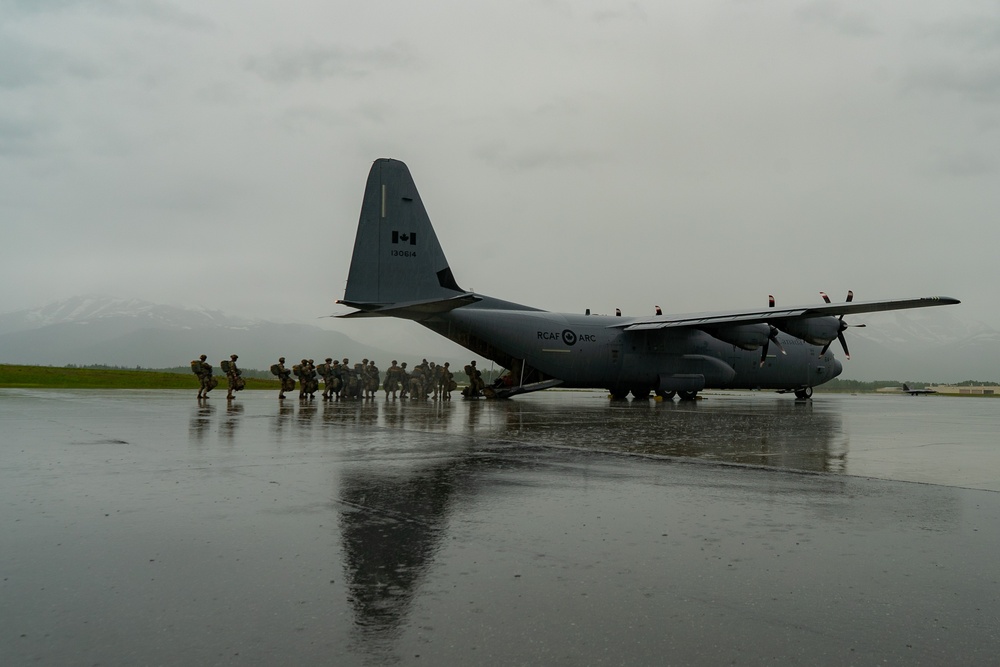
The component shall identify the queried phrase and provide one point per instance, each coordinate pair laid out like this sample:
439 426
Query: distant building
972 391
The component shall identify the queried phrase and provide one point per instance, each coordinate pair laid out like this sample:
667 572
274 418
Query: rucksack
276 370
196 366
224 365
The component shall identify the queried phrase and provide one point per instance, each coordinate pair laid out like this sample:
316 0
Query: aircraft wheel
666 395
640 393
687 395
619 394
803 394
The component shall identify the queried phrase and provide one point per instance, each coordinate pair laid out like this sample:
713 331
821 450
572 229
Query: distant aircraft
916 392
399 270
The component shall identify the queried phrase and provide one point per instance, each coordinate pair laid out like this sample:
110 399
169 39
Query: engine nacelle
815 330
743 336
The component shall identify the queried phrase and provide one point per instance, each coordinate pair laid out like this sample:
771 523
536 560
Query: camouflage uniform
301 370
313 384
204 374
445 382
357 381
476 383
431 376
425 380
326 372
236 383
417 383
373 379
345 376
284 377
335 383
404 380
363 378
391 384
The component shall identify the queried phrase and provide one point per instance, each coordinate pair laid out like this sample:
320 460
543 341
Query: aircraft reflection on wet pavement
396 517
393 516
788 435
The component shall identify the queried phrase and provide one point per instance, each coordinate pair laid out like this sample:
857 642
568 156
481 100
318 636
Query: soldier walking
431 375
373 379
391 384
476 383
284 377
313 382
203 370
233 374
326 371
445 382
404 380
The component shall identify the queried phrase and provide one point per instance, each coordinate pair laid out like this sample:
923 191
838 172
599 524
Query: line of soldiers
207 382
363 380
341 380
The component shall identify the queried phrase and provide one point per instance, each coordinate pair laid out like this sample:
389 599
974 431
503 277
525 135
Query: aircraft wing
764 315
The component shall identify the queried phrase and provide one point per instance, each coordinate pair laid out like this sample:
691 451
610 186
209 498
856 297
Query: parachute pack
196 366
276 370
224 365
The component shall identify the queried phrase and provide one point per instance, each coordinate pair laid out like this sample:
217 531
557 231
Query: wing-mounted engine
743 336
814 330
821 330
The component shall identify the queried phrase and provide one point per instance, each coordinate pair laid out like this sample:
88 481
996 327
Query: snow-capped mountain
925 345
91 309
130 332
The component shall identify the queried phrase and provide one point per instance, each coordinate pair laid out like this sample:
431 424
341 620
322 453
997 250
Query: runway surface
557 529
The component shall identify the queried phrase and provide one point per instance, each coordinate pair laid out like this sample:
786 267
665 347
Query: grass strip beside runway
109 378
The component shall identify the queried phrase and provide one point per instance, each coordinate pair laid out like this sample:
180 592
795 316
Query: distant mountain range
87 330
933 345
921 345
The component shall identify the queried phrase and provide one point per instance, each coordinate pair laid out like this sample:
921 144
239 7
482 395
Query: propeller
772 335
843 326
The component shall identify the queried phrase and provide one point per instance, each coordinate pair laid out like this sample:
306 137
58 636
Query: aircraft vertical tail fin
397 258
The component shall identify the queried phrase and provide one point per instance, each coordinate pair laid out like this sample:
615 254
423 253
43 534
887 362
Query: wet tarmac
555 529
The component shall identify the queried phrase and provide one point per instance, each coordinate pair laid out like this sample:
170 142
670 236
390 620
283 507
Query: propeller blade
825 297
825 348
772 337
843 344
850 296
770 301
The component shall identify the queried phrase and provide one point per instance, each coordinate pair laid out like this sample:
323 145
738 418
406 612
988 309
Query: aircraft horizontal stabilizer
413 310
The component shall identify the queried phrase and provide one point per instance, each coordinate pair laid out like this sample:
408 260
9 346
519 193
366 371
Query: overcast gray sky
572 155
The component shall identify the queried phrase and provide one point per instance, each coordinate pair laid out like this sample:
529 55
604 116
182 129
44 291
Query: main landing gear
804 393
642 394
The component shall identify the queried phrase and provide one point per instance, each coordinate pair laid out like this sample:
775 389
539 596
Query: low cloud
834 16
23 64
328 62
979 83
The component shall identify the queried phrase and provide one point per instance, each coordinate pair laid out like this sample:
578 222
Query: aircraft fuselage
591 351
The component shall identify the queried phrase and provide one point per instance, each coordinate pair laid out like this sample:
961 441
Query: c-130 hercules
399 270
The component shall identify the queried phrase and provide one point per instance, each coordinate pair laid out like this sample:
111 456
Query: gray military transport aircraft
399 270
